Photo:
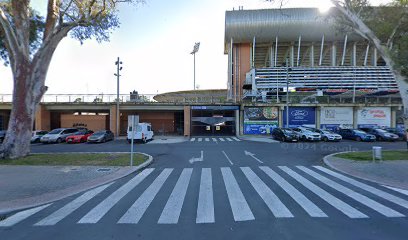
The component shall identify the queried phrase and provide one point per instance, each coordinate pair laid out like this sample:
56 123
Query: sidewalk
258 138
390 173
28 186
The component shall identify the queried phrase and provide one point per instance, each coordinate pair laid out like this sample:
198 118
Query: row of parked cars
314 134
71 135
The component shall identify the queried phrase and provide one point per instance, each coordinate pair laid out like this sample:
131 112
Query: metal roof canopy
287 24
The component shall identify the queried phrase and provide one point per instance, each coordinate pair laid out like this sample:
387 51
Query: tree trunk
26 98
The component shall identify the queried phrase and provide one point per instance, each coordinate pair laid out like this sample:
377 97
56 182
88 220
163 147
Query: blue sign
299 116
260 128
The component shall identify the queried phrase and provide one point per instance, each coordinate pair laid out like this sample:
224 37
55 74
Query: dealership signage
300 116
260 120
336 117
374 116
215 107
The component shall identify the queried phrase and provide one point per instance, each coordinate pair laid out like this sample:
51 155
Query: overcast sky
154 42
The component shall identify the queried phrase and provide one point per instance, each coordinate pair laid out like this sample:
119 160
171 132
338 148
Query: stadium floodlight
195 50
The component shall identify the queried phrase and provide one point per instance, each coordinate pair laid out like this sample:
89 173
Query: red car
79 137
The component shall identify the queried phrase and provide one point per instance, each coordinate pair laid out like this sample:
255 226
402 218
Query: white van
143 132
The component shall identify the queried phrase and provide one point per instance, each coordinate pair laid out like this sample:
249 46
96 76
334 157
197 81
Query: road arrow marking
200 159
253 156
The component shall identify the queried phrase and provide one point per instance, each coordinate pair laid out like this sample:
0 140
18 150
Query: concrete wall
42 119
187 121
92 122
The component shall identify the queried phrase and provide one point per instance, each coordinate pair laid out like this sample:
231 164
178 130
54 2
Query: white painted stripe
236 139
229 139
20 216
386 211
405 192
205 209
276 206
305 203
200 139
229 160
330 199
366 187
222 139
192 140
60 214
139 207
172 210
207 139
239 205
214 139
102 208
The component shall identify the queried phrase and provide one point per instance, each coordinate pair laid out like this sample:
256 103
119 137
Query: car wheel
59 140
358 139
1 140
380 138
144 140
103 140
304 138
283 139
325 139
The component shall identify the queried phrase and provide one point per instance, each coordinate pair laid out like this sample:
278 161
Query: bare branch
52 15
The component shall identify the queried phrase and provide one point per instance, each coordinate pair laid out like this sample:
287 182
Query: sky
154 43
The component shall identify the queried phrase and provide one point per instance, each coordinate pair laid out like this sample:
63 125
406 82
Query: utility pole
195 50
118 64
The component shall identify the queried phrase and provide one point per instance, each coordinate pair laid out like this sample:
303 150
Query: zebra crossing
215 139
318 192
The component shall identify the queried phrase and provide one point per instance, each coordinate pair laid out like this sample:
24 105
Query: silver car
58 135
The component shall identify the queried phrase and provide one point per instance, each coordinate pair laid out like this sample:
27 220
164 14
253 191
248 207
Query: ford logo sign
298 113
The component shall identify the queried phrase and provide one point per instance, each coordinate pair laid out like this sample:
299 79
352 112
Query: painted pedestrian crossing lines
317 191
215 139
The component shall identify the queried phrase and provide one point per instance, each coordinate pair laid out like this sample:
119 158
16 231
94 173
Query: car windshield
99 133
286 130
79 133
55 131
381 131
359 131
327 132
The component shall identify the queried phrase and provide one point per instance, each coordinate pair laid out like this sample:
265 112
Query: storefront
213 120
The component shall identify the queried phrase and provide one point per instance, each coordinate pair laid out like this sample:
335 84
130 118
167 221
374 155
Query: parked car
356 134
101 136
284 134
2 135
306 134
399 131
37 135
79 137
381 134
327 135
58 135
143 132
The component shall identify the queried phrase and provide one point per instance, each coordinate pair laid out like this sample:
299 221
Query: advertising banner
260 120
300 116
374 116
333 118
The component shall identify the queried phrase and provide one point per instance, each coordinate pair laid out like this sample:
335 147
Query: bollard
377 153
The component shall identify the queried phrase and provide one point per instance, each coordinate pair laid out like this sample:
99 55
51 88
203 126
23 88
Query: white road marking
102 208
276 206
214 139
60 214
139 207
253 156
229 160
239 205
366 187
222 139
229 139
236 139
405 192
207 139
171 211
200 139
330 199
20 216
386 211
205 209
199 159
305 203
192 140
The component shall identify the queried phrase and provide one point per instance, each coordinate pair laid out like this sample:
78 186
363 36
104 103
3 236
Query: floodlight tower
195 50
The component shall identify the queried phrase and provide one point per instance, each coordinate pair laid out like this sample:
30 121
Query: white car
58 135
306 134
329 136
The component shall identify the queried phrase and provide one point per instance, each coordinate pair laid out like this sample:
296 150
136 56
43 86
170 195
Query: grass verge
367 156
77 159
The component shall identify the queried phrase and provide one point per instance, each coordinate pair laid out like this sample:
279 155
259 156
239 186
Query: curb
70 191
326 161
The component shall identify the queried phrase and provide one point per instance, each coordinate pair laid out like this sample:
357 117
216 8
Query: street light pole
195 50
287 94
118 64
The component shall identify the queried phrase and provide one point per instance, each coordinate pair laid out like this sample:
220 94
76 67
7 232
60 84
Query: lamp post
118 64
195 50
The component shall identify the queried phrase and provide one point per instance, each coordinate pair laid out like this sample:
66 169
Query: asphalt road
220 190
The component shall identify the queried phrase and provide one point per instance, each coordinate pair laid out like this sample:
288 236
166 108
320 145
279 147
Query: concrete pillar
355 109
112 119
281 123
374 58
238 123
312 55
42 118
187 121
393 117
354 55
292 55
318 110
333 54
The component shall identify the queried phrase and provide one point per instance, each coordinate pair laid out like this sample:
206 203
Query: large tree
27 43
